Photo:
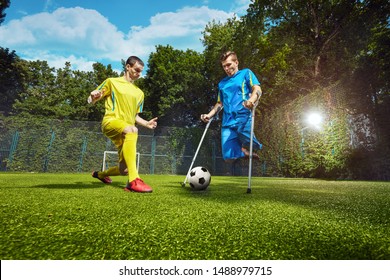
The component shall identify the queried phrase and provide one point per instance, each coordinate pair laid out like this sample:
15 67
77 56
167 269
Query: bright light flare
314 119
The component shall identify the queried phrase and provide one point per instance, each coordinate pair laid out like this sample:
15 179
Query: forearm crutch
249 189
200 144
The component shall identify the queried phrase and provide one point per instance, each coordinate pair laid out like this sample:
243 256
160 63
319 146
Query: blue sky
87 31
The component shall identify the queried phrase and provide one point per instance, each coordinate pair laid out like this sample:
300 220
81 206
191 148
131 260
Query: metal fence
79 147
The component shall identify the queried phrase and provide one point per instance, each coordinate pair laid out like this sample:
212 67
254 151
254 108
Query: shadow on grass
234 190
76 185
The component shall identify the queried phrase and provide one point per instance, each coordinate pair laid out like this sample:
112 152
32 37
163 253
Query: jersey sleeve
140 106
220 95
105 87
251 79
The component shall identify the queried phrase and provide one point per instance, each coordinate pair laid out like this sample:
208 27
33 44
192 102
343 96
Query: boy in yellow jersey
123 101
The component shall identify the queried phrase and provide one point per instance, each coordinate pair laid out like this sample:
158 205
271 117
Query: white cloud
58 61
75 30
82 36
187 22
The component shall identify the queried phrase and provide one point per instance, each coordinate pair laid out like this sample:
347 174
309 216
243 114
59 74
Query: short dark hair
133 60
225 55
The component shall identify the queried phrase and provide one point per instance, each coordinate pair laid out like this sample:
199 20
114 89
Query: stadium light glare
314 119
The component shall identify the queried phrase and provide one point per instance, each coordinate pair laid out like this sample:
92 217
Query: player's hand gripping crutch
200 144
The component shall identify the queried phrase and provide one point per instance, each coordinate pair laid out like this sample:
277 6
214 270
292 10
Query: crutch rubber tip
183 184
248 191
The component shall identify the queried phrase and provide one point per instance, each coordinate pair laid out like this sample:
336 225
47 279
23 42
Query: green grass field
73 216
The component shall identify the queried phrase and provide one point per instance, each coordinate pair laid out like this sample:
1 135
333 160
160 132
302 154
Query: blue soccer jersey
233 91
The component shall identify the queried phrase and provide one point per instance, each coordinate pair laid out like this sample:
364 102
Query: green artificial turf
73 216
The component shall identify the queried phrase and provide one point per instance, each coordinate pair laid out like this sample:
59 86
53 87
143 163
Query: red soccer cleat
105 180
138 185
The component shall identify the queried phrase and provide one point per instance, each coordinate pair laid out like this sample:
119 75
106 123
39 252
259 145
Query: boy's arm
206 117
96 95
254 98
152 124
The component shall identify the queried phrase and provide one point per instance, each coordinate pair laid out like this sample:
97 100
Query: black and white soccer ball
199 178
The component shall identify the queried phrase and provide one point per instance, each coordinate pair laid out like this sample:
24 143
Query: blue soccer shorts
235 138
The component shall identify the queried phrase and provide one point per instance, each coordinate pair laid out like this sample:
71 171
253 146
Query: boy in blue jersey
237 93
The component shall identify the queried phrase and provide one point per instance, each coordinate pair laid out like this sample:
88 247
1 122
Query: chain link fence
74 146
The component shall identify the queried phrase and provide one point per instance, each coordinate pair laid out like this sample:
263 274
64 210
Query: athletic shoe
138 185
105 180
247 154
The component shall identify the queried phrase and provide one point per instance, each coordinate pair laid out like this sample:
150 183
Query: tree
217 39
62 93
175 86
323 36
11 79
4 4
39 83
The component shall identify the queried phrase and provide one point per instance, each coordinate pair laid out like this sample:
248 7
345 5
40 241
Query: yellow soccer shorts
113 129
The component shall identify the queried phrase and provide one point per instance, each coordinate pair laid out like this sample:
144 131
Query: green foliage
11 80
70 216
175 86
218 38
54 146
183 144
60 94
294 148
4 4
322 40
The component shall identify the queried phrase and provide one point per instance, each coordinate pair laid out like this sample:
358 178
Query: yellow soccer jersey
123 100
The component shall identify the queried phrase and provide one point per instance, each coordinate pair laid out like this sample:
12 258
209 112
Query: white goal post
107 154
